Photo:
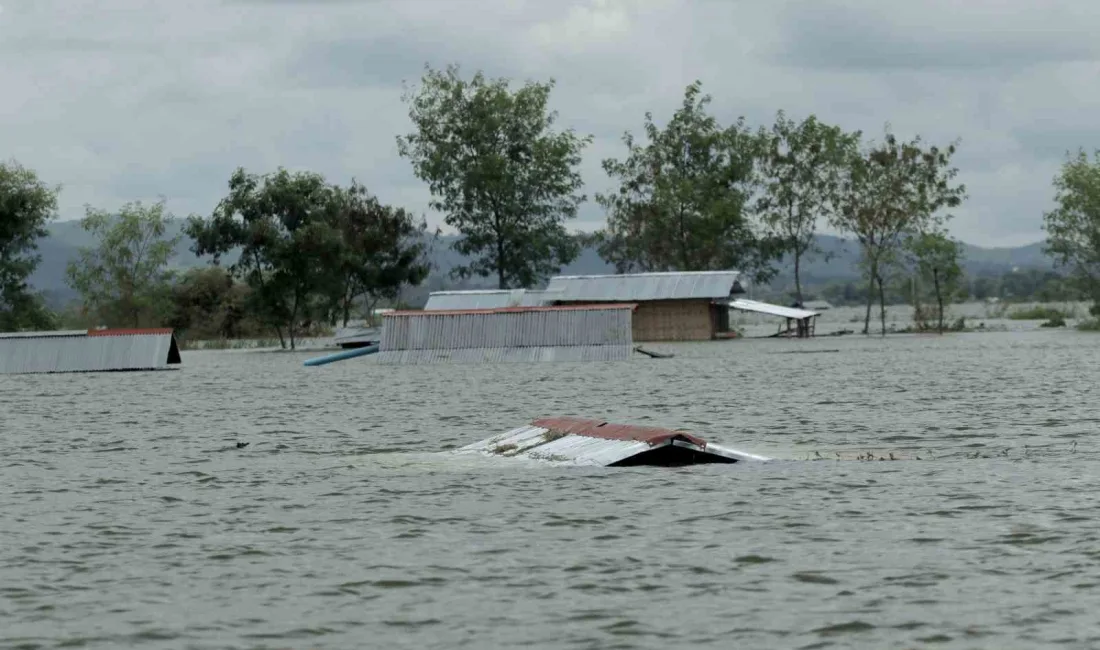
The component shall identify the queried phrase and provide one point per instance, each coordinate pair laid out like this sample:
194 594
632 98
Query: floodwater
130 518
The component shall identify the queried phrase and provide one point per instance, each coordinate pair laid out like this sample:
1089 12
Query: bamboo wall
674 320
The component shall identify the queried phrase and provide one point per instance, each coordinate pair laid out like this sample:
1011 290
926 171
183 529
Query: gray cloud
127 99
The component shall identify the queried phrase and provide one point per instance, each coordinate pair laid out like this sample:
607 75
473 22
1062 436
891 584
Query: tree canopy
891 190
683 197
26 206
498 171
801 167
382 249
124 279
1073 226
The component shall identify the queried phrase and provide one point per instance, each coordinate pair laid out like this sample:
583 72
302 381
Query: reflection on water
131 518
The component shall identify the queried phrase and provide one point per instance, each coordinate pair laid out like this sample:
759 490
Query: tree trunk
797 280
293 326
882 304
282 341
939 297
870 299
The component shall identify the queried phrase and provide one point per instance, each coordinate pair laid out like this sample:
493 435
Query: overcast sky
135 99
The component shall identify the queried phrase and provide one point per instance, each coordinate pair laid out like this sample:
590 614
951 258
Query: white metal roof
646 286
85 352
539 441
486 299
773 310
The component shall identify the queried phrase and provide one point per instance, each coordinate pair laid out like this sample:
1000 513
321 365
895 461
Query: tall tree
124 279
498 171
1073 226
682 202
890 191
26 205
935 259
382 250
801 167
281 224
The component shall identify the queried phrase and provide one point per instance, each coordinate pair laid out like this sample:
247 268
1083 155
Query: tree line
692 194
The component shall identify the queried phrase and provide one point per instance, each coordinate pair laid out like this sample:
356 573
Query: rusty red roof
511 310
131 331
602 429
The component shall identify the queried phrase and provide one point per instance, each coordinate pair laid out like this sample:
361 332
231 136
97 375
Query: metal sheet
95 351
640 287
487 299
573 353
558 442
38 335
771 310
519 328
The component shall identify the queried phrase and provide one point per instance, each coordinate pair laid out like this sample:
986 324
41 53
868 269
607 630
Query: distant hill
66 237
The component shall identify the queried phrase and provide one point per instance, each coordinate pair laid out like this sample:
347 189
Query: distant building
674 306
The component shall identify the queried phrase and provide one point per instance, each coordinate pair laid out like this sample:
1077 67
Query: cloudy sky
136 99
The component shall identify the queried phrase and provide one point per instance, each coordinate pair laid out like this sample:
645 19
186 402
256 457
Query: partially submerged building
88 351
674 306
568 333
800 323
487 299
579 441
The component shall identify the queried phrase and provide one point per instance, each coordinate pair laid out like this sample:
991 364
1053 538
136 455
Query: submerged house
88 351
541 333
580 441
673 306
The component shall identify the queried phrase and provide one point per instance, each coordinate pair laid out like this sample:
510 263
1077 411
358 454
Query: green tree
1073 226
281 223
498 171
26 205
383 249
935 258
124 279
682 202
207 303
890 191
801 166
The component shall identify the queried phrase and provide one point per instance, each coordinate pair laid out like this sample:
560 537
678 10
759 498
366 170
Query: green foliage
282 224
801 166
1039 312
498 172
935 260
1090 325
124 279
382 250
1073 226
682 202
207 303
26 205
890 191
1057 321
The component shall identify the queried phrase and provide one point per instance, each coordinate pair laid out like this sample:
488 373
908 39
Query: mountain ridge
838 263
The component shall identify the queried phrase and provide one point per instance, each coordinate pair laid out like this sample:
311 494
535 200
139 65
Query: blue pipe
340 356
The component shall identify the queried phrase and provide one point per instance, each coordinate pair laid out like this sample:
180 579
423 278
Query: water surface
132 520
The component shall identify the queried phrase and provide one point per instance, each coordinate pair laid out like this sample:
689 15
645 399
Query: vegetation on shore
693 194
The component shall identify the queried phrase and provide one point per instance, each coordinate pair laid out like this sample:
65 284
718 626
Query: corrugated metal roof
578 441
521 327
571 353
38 335
89 351
771 310
646 286
487 299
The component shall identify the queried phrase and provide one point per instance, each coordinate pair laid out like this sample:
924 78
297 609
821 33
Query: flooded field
132 519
